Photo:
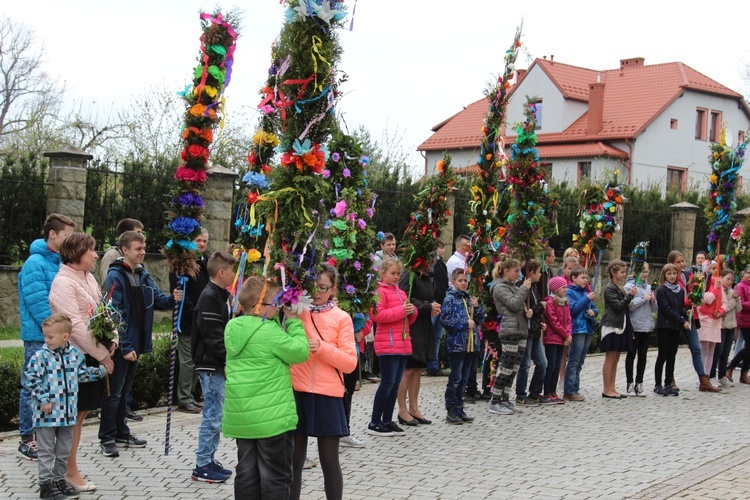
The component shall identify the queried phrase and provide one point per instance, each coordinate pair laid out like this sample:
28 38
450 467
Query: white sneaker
715 382
725 382
639 391
310 463
512 407
351 441
500 409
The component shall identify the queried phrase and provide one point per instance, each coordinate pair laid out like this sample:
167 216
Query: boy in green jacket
259 408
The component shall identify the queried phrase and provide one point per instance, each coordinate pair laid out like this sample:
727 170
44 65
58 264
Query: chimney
633 62
596 108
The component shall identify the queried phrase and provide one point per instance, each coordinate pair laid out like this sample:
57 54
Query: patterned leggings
513 348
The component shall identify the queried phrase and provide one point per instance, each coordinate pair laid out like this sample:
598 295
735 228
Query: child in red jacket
393 315
557 335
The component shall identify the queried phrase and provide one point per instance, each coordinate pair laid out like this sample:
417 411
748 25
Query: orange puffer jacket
324 370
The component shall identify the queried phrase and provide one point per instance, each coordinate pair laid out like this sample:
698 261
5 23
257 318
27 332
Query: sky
411 64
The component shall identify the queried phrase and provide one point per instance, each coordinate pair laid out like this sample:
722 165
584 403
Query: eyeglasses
323 289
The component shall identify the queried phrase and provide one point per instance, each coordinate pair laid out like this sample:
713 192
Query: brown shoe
706 385
574 397
744 378
189 408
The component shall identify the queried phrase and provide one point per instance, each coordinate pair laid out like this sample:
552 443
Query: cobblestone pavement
694 446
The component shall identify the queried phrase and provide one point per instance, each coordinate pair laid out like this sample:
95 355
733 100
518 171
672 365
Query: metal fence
646 225
118 190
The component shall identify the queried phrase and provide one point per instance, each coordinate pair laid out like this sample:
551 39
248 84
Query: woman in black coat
422 343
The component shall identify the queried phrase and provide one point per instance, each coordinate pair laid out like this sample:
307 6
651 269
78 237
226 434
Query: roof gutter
425 161
630 159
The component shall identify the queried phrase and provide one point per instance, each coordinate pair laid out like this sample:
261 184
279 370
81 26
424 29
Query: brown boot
706 385
744 378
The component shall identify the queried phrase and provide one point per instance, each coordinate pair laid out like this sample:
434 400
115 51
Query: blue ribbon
182 284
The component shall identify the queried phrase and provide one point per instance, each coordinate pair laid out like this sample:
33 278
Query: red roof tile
633 97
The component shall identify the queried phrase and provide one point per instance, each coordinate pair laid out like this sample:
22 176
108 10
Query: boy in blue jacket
52 376
135 296
461 342
582 312
34 283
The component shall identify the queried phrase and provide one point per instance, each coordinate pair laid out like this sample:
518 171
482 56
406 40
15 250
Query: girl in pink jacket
392 316
556 334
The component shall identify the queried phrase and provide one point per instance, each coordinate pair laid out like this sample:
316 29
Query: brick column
67 174
447 235
684 215
218 212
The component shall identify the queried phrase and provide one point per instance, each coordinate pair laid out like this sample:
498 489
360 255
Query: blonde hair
503 266
252 290
59 320
387 264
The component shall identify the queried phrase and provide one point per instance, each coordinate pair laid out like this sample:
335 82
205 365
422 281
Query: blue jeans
534 352
391 370
460 368
437 329
113 424
577 351
25 412
721 354
691 337
212 385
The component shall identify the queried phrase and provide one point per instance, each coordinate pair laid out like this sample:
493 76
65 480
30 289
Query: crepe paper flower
253 255
188 200
370 213
339 224
256 180
380 235
252 197
188 174
326 173
346 173
186 244
350 289
335 157
357 265
365 160
362 224
340 209
265 139
736 232
184 225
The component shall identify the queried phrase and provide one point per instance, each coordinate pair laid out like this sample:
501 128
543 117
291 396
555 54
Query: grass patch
10 333
11 353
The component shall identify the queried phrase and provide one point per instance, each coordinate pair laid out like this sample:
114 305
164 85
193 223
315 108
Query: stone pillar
218 212
684 215
741 216
67 174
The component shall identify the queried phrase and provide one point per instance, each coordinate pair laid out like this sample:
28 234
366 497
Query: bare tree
28 96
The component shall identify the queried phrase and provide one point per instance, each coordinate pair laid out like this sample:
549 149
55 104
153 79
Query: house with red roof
652 123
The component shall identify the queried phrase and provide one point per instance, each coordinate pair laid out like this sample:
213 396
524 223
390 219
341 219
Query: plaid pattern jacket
53 377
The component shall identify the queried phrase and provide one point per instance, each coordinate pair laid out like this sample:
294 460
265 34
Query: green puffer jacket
259 401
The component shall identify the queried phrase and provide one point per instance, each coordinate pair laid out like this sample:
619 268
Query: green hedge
149 389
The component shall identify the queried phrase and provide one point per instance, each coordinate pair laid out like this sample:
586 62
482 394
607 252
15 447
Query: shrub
152 378
10 387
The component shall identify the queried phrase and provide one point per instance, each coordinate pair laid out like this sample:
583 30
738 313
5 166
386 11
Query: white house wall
566 169
459 158
557 112
659 147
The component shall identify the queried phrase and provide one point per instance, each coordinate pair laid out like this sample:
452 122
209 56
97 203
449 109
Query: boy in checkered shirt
52 377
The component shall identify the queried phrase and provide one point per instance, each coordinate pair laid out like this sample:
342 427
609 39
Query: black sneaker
526 401
452 417
110 449
463 416
49 491
216 466
66 489
207 474
131 441
131 415
541 400
379 430
393 426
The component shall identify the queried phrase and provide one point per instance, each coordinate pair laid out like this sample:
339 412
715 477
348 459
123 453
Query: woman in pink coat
392 315
75 293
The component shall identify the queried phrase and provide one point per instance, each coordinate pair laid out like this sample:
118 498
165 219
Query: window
715 131
673 124
676 179
538 114
584 170
701 123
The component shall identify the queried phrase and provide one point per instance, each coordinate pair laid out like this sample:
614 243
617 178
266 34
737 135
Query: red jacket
743 316
392 332
559 323
323 371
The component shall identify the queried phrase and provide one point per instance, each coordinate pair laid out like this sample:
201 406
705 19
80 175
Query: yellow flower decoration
264 138
713 179
253 255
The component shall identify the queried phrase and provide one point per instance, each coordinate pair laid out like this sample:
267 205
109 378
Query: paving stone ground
694 446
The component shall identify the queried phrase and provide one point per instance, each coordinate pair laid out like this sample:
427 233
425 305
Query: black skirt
622 342
320 415
90 393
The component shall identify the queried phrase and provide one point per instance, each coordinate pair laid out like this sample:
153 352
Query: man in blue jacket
135 296
34 283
